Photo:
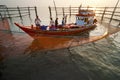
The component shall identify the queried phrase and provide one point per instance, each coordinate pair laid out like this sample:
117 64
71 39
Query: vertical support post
114 11
119 23
8 12
1 16
36 11
87 7
19 13
70 10
50 12
29 11
63 11
29 14
79 8
112 15
55 8
103 14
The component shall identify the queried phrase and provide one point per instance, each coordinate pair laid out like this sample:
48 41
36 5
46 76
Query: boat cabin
85 17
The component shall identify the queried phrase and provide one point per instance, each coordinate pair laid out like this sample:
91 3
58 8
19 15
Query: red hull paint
36 32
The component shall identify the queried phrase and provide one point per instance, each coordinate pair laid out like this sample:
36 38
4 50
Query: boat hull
63 32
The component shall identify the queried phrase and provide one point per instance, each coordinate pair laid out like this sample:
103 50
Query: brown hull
66 32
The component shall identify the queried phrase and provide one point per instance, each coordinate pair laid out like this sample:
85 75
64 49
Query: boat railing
12 12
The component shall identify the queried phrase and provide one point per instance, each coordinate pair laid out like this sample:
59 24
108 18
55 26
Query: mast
55 8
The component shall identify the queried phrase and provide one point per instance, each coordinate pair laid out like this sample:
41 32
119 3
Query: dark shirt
56 22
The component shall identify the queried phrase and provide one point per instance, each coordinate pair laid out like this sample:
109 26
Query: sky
46 3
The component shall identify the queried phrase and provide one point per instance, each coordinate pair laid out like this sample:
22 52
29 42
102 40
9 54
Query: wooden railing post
19 13
36 11
70 10
63 11
112 15
29 11
119 23
87 7
8 12
114 11
1 16
103 14
50 12
55 9
79 8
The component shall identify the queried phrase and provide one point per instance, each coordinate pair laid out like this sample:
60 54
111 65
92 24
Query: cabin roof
86 13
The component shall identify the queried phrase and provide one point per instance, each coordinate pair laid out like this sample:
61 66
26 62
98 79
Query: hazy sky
47 3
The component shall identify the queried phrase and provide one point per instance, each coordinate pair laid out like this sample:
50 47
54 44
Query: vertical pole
8 12
70 10
112 14
29 11
103 14
50 12
119 23
114 11
55 8
79 8
29 14
63 11
1 16
87 7
19 13
36 11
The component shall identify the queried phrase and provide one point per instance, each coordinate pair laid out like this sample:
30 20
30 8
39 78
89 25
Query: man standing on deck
63 22
51 22
37 22
56 22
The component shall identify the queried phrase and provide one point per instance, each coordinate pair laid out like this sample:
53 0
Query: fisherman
91 21
56 22
63 22
37 22
65 19
95 21
51 22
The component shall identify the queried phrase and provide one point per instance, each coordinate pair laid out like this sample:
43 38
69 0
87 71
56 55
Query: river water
59 58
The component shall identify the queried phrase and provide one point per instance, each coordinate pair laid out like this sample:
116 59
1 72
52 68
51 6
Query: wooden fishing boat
32 31
84 22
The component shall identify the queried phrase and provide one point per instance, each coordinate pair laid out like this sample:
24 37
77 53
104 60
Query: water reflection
56 42
45 42
88 62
